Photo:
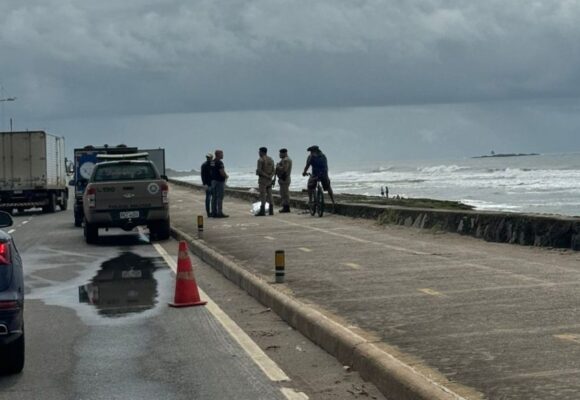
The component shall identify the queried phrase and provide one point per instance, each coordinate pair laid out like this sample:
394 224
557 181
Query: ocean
544 184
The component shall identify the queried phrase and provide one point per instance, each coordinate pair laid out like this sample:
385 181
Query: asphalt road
98 327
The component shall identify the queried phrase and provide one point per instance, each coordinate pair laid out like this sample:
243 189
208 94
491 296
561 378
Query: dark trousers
208 196
217 200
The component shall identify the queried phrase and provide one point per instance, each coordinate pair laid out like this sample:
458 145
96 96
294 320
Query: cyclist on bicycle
317 160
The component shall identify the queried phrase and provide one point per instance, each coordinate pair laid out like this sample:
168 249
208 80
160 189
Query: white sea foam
544 184
442 169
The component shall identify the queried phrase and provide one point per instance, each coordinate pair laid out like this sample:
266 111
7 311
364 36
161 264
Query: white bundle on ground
256 207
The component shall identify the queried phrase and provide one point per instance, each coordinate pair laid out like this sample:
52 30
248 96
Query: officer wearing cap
206 181
283 172
265 171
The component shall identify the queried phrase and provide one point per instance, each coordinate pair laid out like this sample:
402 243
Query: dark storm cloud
68 58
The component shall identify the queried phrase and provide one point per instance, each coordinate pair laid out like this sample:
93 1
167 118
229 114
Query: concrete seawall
522 229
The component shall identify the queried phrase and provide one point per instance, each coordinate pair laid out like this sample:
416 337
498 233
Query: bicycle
316 200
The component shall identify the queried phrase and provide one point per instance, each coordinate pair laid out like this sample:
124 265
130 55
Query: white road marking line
569 337
269 367
11 231
353 265
305 249
356 239
266 364
291 394
25 222
432 292
165 256
409 251
269 238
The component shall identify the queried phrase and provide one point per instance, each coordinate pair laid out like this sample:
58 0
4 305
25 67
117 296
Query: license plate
129 214
131 274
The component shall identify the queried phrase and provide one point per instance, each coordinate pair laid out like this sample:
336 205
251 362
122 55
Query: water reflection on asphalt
123 285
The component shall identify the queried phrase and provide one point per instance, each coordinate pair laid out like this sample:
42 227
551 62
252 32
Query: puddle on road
124 285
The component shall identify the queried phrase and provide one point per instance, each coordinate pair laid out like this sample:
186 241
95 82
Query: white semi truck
32 171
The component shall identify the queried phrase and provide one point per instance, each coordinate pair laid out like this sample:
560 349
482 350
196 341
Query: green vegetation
383 201
412 203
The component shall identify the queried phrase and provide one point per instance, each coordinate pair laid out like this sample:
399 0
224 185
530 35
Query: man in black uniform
206 181
218 185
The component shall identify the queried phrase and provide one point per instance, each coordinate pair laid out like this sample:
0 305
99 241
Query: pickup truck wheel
161 230
91 233
78 220
13 360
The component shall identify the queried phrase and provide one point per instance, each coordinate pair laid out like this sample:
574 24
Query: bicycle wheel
312 204
320 201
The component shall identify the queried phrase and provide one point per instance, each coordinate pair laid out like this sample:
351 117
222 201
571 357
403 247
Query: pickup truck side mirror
164 177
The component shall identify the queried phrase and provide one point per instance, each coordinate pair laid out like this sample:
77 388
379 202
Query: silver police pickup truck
125 194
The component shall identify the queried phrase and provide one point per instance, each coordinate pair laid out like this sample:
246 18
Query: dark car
11 302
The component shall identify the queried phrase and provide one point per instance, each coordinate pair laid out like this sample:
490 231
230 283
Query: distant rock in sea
177 174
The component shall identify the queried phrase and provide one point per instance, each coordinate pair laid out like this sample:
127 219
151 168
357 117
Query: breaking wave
546 184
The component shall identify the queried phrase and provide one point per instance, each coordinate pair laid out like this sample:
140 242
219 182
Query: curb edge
392 377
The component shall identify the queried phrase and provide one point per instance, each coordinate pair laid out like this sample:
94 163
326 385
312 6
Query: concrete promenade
486 320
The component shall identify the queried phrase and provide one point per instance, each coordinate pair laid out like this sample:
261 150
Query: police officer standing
218 185
284 172
206 181
265 172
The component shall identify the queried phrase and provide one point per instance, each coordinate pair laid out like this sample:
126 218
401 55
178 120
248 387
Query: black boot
262 212
271 209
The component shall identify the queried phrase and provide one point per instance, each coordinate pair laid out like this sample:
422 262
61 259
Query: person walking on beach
265 172
317 160
218 185
206 181
284 172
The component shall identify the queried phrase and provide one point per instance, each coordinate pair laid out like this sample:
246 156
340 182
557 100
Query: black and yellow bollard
280 266
200 223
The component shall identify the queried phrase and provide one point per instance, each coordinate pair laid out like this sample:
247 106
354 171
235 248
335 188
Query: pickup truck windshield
124 172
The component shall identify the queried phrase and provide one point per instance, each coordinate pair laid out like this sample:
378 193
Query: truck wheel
64 202
91 233
161 230
51 206
13 359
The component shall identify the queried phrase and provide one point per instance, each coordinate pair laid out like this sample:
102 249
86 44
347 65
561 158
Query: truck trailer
32 171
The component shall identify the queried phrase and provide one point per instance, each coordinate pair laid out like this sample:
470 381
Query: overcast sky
365 78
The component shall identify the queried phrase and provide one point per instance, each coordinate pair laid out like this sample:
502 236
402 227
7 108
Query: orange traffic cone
186 293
